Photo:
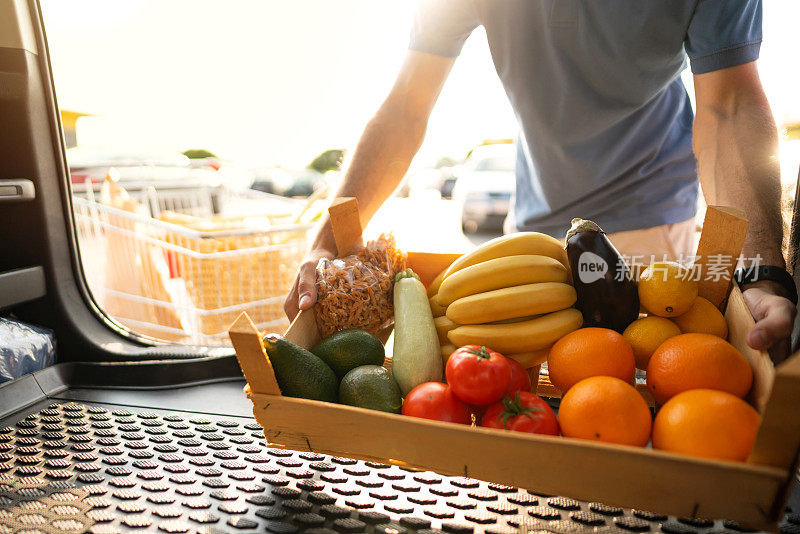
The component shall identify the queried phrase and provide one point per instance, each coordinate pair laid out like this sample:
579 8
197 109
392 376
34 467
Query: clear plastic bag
24 349
356 291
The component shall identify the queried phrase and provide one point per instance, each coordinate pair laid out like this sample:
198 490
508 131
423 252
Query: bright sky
278 82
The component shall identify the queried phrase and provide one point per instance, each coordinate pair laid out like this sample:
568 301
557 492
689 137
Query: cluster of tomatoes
485 384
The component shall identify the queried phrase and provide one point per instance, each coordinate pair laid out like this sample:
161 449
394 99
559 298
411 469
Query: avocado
300 373
348 349
372 387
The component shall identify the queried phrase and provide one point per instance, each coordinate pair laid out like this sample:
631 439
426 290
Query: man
607 130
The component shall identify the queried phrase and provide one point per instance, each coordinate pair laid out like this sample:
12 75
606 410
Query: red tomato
520 379
478 375
435 400
526 412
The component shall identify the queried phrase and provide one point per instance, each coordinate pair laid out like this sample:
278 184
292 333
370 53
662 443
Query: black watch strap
772 273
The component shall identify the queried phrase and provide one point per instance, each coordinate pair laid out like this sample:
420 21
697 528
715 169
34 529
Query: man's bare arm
736 144
384 152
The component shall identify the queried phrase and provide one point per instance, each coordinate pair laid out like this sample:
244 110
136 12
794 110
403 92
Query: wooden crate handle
303 331
252 357
720 246
346 224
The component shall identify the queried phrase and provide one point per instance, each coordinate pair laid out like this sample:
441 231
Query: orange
707 423
590 352
604 408
646 334
703 318
692 361
667 289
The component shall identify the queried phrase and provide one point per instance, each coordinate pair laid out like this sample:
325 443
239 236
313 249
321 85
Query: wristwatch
772 273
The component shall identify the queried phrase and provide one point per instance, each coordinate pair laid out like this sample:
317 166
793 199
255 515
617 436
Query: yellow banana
498 273
434 287
511 302
443 326
531 359
515 338
528 243
515 319
437 310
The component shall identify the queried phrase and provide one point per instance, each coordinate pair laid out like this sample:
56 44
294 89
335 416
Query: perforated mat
77 468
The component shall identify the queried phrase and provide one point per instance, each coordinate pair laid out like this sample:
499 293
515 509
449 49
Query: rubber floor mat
88 468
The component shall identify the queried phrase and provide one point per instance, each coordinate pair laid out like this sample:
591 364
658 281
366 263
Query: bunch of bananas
511 294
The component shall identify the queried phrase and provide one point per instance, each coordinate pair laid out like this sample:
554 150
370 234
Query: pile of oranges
697 378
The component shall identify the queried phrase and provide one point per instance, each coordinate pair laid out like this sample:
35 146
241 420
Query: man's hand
774 315
304 291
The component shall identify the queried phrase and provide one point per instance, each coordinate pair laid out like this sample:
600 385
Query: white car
485 187
168 172
136 170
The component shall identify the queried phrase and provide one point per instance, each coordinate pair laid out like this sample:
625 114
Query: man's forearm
381 159
736 144
391 139
737 151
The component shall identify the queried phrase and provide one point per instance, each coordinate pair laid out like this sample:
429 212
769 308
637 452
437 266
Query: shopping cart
185 275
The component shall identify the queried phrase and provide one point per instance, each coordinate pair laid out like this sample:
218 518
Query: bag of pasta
356 291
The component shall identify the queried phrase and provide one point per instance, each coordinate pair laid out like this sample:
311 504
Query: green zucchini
416 358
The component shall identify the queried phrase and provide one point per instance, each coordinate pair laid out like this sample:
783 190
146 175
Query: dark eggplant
607 293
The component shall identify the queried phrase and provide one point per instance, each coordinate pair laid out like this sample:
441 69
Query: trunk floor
192 459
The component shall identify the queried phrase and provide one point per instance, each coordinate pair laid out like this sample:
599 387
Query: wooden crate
753 493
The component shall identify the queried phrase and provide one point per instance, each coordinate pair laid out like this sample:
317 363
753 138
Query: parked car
446 188
137 172
485 186
273 180
290 183
304 183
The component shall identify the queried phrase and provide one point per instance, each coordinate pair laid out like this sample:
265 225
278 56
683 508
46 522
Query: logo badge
591 267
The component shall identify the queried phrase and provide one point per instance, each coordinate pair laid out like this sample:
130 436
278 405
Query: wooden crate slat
345 223
617 475
428 265
778 439
721 241
252 358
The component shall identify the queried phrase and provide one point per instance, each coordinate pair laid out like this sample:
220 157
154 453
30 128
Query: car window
203 142
204 139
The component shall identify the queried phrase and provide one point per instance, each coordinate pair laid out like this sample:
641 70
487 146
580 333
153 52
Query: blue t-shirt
606 123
